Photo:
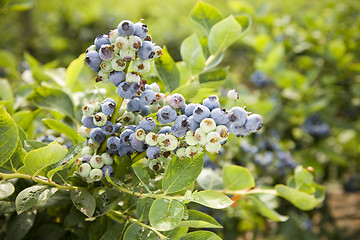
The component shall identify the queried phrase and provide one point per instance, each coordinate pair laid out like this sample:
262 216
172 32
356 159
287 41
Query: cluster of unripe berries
112 53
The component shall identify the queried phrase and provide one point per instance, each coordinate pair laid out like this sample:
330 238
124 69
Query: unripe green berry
96 174
127 54
190 138
100 119
84 169
128 118
169 143
135 43
191 151
107 159
93 145
133 77
223 131
213 137
84 132
122 43
200 136
213 147
118 64
96 161
181 153
105 66
97 106
86 150
114 34
140 134
151 139
88 110
207 125
233 95
141 66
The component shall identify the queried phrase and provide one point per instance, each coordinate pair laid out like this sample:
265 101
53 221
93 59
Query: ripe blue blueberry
148 124
88 122
125 149
220 116
118 126
145 110
108 128
100 40
178 132
237 115
238 130
176 100
108 100
165 130
124 136
108 108
126 90
254 123
126 28
147 51
116 77
134 105
97 135
153 152
141 30
211 102
93 60
147 97
193 125
107 171
86 158
201 112
106 52
181 122
166 115
137 145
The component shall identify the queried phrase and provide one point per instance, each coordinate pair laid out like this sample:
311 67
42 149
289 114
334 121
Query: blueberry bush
140 140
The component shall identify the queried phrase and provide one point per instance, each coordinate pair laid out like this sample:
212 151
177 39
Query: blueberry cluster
316 127
111 54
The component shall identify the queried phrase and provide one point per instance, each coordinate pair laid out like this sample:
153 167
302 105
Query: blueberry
96 175
106 52
113 144
147 51
118 64
134 105
96 161
107 170
105 67
126 90
260 79
116 77
135 43
101 40
93 60
84 169
237 115
108 108
109 100
176 100
193 125
254 123
86 158
141 66
238 130
132 127
147 97
126 28
201 112
100 119
88 122
127 54
181 123
148 124
124 136
166 115
165 130
233 95
220 116
97 135
153 152
145 110
108 128
211 102
118 126
137 145
141 30
125 149
178 132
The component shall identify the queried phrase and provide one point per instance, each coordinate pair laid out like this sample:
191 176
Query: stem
134 220
36 179
248 192
210 59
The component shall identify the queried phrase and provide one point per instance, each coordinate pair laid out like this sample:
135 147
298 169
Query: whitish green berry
128 118
181 153
135 43
141 66
100 119
191 151
213 137
97 106
155 87
88 110
169 143
102 76
96 174
86 150
190 138
93 145
200 136
223 131
213 147
118 64
84 169
96 161
140 134
233 95
207 125
133 77
151 139
158 51
113 35
107 159
127 54
121 43
84 132
106 66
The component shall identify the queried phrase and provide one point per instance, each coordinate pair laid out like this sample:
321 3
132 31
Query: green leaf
5 89
16 159
20 5
143 208
205 15
237 178
210 179
192 54
6 189
179 174
37 160
52 99
7 207
211 199
25 119
143 176
67 160
214 75
73 70
265 211
245 22
29 197
166 214
136 232
63 128
189 90
33 144
200 235
223 34
9 136
167 70
114 232
83 201
301 200
19 225
198 219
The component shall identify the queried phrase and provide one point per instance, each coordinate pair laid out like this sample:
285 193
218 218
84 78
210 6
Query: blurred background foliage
298 66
